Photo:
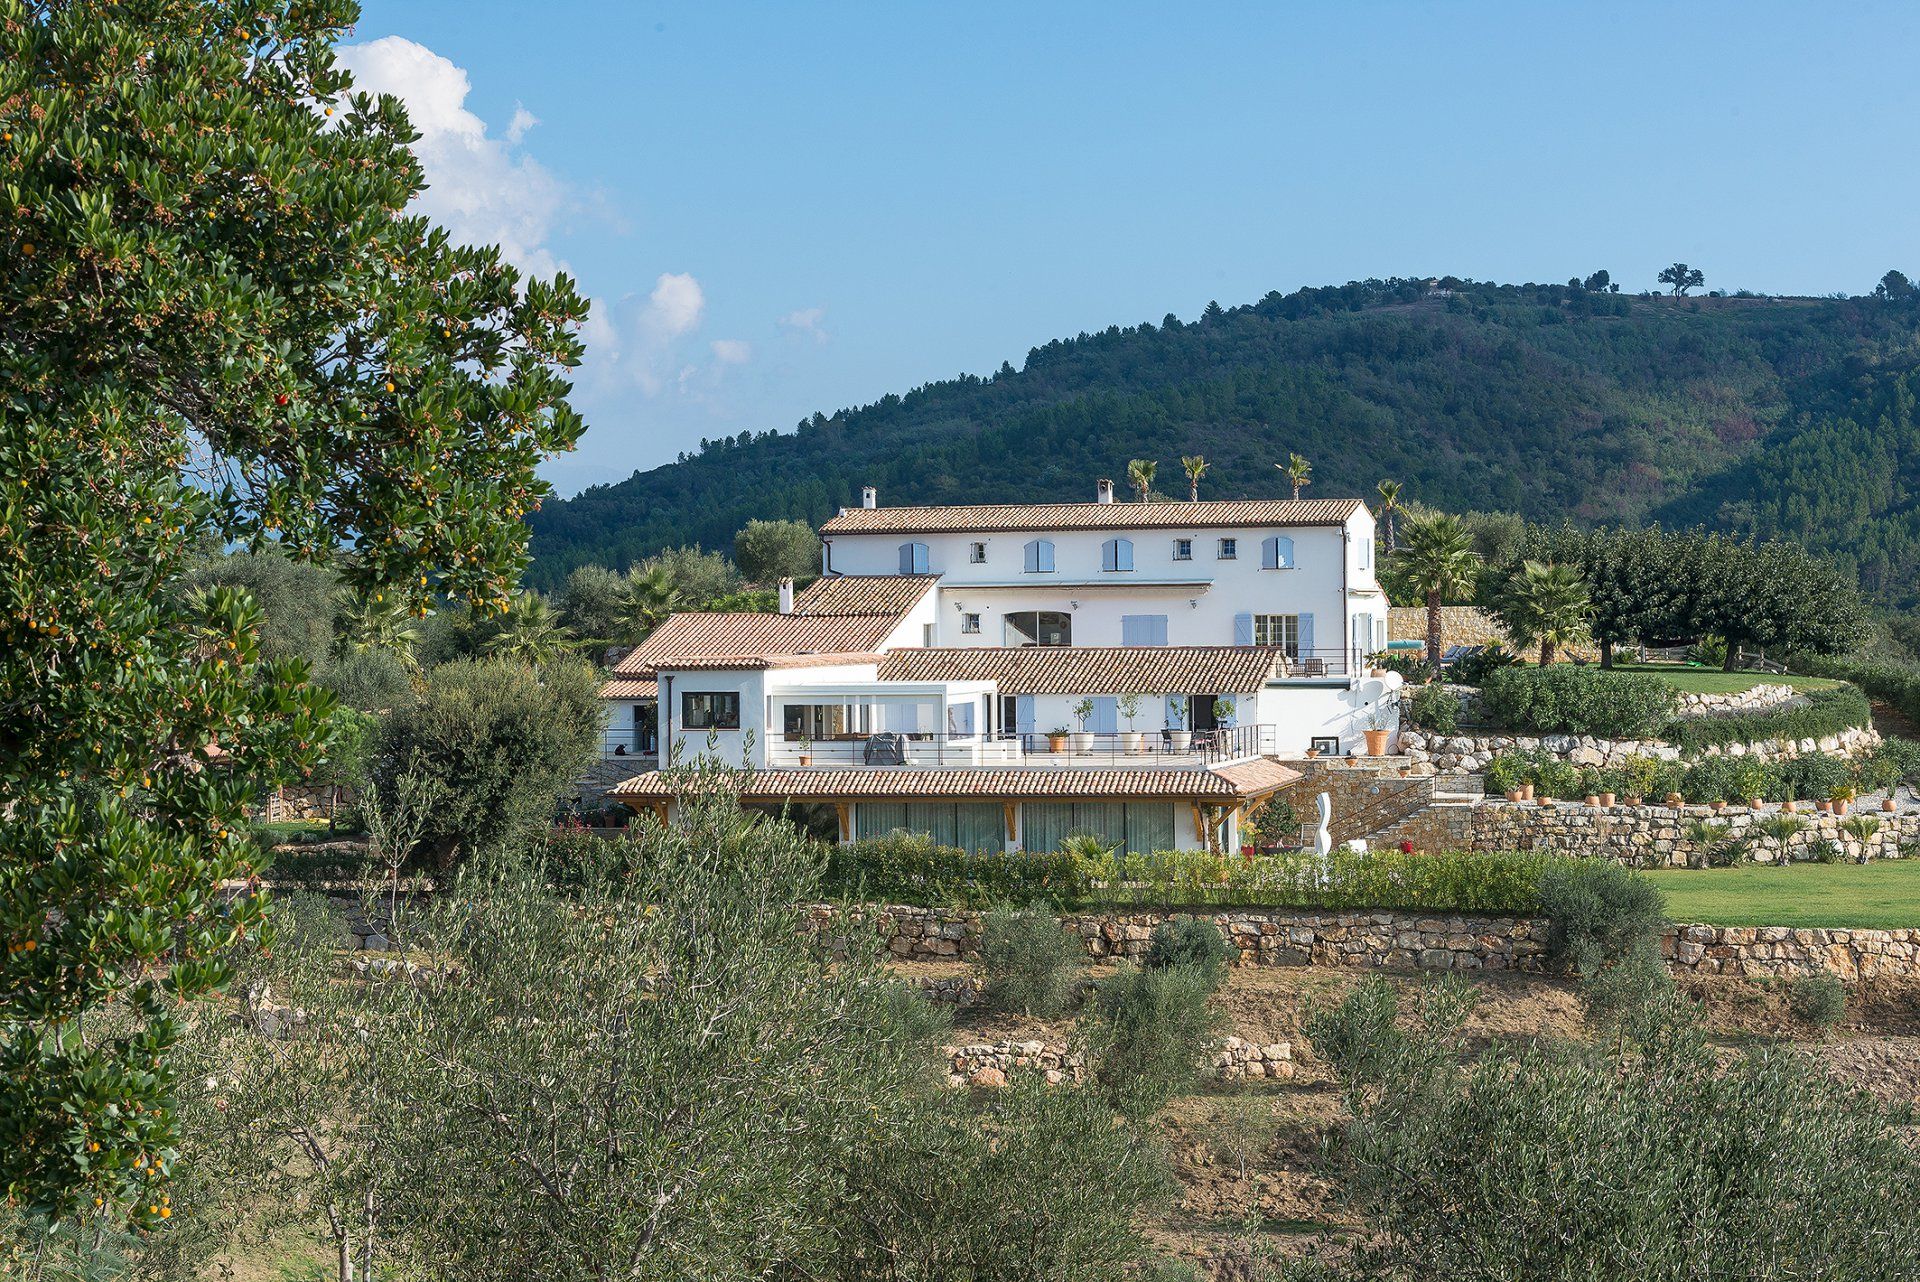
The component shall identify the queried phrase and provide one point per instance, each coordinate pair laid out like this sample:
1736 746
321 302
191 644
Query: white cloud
522 121
806 321
675 305
479 187
732 351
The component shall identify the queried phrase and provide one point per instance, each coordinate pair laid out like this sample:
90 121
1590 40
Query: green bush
1818 999
1476 668
909 868
1190 941
1897 684
1435 708
1732 779
1894 762
1031 964
1565 699
1151 1033
1621 997
1825 713
1814 777
1601 912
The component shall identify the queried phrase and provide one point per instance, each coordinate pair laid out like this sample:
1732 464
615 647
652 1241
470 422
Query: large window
1116 555
1039 627
913 558
1039 557
709 710
813 722
1281 630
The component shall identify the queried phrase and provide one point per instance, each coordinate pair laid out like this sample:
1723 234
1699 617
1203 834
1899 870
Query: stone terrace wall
988 1065
1402 941
1655 835
1758 952
1470 752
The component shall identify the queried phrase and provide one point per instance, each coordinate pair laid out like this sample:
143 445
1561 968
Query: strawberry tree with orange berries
217 319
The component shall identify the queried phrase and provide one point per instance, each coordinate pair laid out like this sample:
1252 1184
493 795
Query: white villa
1003 675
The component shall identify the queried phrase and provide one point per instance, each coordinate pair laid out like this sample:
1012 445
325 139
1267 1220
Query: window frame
969 624
976 554
1183 549
716 701
1289 635
1227 549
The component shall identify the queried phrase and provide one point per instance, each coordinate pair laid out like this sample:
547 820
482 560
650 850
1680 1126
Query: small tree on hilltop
1683 278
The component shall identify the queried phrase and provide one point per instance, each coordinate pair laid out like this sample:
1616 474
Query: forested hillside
1771 415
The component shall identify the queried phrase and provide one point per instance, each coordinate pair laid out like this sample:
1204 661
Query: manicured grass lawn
1708 681
1884 894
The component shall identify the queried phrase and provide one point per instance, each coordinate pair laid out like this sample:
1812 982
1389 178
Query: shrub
1601 912
1818 999
1556 778
1031 964
1190 941
1644 776
1729 779
1825 852
909 868
1624 996
1565 699
1825 713
1894 762
1895 683
1476 668
1434 708
1411 664
1151 1033
1813 777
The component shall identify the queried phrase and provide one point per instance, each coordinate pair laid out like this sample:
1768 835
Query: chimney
786 596
1103 492
869 497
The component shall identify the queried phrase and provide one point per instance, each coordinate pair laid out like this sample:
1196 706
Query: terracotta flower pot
1632 800
1526 792
1545 801
1887 803
1675 800
1513 794
1791 807
1592 799
1376 743
1824 807
1757 802
1606 800
1718 806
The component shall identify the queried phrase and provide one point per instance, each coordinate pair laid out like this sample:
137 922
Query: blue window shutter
1283 553
1159 629
906 558
1046 555
1243 629
1306 634
1110 555
1123 554
1106 715
1270 554
1032 556
1143 629
1023 714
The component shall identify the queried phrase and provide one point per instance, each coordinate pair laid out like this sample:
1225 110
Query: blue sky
783 208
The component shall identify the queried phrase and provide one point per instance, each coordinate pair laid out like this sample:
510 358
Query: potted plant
1757 803
806 749
1526 790
1379 723
1591 799
1675 801
1082 713
1130 709
1824 805
1843 798
1223 713
1887 803
1178 735
1057 739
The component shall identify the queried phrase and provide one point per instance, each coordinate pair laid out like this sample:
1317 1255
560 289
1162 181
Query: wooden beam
1012 809
845 811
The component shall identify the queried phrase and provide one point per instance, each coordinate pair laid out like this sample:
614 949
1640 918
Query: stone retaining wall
1758 952
1472 752
1656 835
1403 941
989 1065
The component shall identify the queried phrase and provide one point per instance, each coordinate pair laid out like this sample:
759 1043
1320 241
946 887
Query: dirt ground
1250 1157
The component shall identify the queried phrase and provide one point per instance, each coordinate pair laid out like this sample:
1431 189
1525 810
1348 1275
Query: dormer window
1116 555
1039 557
977 553
1276 553
913 558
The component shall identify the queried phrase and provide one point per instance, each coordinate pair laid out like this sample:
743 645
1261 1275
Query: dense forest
1787 416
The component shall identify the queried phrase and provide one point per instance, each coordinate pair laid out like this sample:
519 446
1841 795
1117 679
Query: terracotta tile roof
888 594
733 662
1185 669
755 634
1013 517
1256 776
987 785
630 688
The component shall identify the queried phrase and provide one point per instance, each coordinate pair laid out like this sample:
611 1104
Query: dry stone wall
1655 836
1760 952
990 1064
1389 940
1472 752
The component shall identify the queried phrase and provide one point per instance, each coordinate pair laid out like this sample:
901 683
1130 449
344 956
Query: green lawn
1884 894
1709 681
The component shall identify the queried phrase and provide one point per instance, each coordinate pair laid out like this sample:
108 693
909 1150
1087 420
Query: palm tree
1299 472
531 631
1389 504
1549 604
1781 829
1196 467
1140 476
651 596
1439 562
378 621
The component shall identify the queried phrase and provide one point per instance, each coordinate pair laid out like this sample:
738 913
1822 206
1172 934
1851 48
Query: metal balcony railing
1146 748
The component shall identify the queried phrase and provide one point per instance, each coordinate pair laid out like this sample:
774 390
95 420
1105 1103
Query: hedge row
910 869
1897 684
1825 713
1816 776
1566 699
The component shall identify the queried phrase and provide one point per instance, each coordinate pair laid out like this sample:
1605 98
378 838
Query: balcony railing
1317 663
1125 749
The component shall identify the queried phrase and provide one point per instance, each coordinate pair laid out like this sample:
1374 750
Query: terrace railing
1122 749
